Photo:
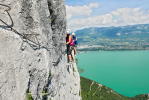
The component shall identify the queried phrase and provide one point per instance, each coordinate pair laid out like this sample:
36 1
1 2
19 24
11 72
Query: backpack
73 41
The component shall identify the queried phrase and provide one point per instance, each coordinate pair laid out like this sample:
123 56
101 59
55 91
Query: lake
126 72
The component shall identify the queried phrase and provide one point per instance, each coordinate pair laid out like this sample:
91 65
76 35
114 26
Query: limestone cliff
32 52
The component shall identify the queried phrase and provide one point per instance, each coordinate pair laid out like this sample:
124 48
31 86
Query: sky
106 13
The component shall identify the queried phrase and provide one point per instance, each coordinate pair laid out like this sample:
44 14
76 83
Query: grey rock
32 52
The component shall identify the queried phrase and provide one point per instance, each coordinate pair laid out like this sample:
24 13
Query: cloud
119 17
93 5
84 10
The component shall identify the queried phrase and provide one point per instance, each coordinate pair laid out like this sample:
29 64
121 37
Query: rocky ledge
33 63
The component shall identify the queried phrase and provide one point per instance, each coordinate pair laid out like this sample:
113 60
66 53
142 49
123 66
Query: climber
74 43
69 47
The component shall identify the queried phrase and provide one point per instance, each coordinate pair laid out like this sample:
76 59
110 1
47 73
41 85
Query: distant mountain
116 32
124 35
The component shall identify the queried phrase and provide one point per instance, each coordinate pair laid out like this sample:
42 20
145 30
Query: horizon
109 26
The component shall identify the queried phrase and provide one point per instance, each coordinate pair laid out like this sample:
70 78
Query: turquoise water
126 72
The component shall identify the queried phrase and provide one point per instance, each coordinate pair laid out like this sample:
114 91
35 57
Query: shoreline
84 69
91 49
113 92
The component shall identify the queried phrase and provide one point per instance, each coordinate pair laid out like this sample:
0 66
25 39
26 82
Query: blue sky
108 7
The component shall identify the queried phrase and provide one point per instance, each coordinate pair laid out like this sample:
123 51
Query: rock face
32 52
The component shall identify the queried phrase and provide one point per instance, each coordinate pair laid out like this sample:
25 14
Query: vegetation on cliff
91 90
